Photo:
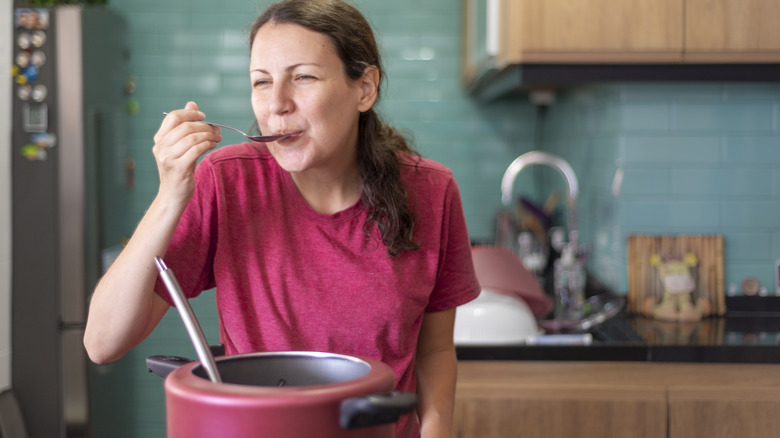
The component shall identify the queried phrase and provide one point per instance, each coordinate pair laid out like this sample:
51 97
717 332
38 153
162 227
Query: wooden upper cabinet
514 43
590 31
732 31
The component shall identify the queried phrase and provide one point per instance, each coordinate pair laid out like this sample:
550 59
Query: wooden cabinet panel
616 399
724 412
543 412
514 44
732 30
591 30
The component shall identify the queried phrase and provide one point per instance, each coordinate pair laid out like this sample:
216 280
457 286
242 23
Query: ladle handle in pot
375 409
190 322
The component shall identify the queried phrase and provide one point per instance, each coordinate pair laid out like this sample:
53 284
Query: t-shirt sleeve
190 254
456 281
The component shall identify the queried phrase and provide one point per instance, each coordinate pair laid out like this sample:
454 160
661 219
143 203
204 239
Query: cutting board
643 280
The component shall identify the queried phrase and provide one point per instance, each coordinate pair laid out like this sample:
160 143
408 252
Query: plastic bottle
569 280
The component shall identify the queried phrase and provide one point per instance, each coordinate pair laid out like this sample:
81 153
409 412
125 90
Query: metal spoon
190 322
260 138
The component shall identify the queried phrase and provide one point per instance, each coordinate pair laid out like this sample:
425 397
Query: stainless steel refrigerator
72 187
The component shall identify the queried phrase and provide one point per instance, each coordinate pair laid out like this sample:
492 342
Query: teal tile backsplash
722 181
667 148
724 117
694 158
646 182
752 150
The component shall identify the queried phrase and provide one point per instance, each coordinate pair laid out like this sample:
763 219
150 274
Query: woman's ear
369 87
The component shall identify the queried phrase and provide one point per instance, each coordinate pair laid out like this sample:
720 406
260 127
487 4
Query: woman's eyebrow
289 68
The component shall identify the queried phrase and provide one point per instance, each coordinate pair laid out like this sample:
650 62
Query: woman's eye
260 82
305 77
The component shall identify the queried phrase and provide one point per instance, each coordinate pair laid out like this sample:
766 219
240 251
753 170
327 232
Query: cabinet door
574 31
732 30
479 38
548 410
711 412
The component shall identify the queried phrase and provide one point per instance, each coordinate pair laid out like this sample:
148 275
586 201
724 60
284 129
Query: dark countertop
748 333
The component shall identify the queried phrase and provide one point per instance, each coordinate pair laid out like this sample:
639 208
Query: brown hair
380 147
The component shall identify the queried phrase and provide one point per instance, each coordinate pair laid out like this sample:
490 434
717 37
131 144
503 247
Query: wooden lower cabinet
724 413
616 399
561 412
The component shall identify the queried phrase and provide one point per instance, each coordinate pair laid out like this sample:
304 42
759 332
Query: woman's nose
281 101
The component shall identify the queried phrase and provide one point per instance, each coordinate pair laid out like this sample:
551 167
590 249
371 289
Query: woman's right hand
181 140
124 308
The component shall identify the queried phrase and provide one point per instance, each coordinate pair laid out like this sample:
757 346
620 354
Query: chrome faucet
557 163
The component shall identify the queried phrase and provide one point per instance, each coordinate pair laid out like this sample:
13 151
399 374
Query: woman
338 238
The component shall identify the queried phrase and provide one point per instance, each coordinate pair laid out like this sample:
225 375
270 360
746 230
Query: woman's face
299 87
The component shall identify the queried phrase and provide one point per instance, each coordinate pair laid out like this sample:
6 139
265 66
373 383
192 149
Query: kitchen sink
596 310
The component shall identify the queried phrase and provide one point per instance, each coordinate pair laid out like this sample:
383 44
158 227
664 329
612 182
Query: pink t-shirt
290 278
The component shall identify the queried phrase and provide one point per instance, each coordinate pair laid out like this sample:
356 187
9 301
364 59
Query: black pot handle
164 365
375 409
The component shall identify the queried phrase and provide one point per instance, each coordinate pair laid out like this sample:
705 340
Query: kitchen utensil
294 394
260 138
190 322
541 217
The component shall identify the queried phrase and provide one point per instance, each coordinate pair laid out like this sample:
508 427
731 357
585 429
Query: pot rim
296 353
379 378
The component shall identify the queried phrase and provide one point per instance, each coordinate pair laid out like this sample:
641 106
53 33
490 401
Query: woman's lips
291 135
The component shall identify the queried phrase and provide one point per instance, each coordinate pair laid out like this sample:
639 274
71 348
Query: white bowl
494 319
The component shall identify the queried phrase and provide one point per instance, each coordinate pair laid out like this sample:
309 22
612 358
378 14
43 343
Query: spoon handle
228 127
190 322
260 138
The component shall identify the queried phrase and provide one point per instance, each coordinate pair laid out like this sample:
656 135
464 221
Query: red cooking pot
281 395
